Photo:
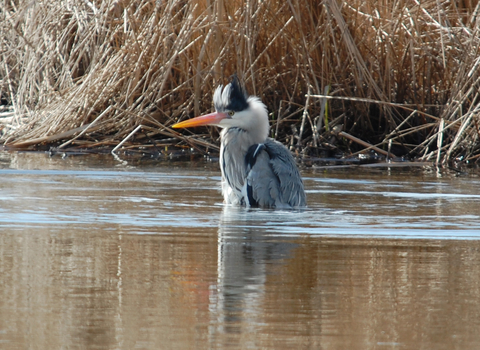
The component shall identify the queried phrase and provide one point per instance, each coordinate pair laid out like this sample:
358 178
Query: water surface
97 253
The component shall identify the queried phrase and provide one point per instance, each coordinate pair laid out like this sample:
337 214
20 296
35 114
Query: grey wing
261 187
273 180
284 166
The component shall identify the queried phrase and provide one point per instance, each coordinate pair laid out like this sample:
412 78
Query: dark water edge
143 154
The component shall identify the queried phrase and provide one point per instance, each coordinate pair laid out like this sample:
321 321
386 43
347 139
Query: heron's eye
231 113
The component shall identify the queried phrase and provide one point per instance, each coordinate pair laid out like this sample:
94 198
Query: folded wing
273 180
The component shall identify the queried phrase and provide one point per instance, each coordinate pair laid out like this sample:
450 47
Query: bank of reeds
402 76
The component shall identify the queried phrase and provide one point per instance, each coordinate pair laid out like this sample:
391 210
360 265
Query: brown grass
84 73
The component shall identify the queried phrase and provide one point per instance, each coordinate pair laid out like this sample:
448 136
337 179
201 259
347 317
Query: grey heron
257 171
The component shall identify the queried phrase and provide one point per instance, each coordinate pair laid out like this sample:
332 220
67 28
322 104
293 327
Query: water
96 253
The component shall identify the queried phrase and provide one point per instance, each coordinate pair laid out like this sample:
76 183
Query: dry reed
404 73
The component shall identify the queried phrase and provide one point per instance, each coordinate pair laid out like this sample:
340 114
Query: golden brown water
100 254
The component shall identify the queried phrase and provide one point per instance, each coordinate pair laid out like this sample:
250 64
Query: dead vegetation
400 76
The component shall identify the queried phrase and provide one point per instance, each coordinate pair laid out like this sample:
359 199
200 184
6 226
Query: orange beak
207 119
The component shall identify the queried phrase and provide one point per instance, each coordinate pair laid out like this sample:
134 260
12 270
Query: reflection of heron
247 255
257 171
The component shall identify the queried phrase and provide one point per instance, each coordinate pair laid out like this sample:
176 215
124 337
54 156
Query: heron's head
234 109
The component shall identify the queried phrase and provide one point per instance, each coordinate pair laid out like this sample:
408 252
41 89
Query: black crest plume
231 97
238 96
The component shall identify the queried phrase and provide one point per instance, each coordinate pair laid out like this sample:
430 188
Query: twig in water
304 117
127 138
85 130
439 140
323 116
369 100
365 144
457 137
